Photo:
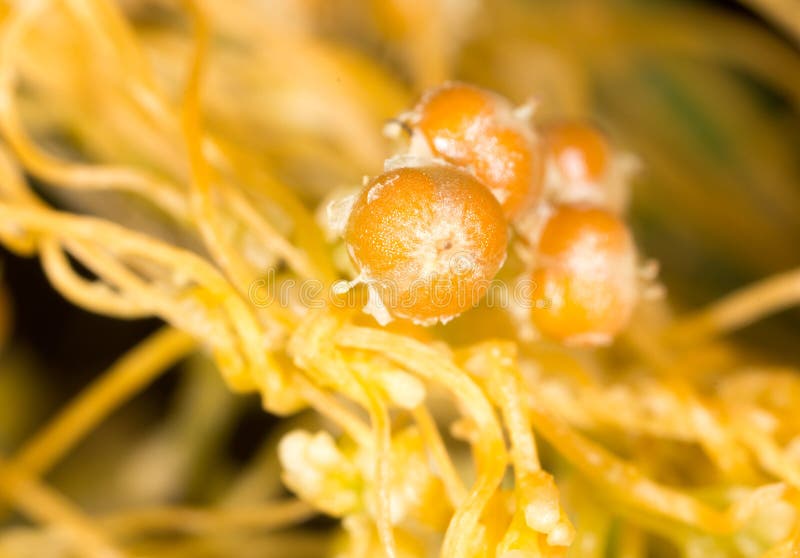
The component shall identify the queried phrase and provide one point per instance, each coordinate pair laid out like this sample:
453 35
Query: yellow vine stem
41 504
280 544
768 454
80 176
166 519
739 309
128 376
157 108
91 295
726 441
269 236
506 388
444 464
147 299
624 480
710 429
314 352
426 43
235 161
489 447
103 177
261 371
153 103
329 407
86 294
537 499
202 205
105 22
49 168
382 440
719 439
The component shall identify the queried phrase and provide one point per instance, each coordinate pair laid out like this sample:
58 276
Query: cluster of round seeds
584 265
481 132
429 234
585 272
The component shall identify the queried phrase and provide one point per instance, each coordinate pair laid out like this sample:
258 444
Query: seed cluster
428 235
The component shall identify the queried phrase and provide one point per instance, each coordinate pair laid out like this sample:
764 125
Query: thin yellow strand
739 309
42 505
489 447
164 519
124 379
444 464
624 480
203 208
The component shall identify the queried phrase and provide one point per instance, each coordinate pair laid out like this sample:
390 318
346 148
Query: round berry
579 152
506 161
477 130
427 241
452 116
585 276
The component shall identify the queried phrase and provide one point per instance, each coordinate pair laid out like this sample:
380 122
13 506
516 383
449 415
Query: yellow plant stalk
212 122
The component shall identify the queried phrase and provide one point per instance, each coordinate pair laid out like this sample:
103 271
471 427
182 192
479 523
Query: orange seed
585 276
426 241
477 130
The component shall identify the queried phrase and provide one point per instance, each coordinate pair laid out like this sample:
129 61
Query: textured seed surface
429 238
586 275
476 130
